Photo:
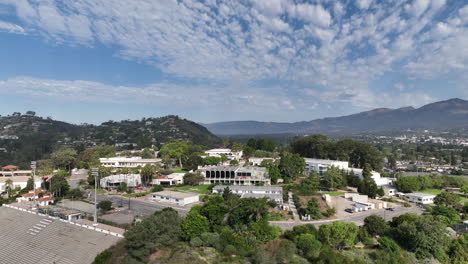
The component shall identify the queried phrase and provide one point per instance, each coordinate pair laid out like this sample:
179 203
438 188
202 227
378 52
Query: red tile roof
10 167
46 199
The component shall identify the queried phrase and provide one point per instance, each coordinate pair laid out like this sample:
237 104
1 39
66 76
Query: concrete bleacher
30 238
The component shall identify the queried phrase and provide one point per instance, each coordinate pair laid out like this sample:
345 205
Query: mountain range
449 114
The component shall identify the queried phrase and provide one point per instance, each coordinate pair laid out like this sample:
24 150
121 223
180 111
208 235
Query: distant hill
447 114
28 137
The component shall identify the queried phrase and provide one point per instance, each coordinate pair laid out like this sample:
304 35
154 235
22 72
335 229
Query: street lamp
33 168
95 173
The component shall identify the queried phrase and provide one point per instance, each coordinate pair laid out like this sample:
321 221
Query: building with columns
235 175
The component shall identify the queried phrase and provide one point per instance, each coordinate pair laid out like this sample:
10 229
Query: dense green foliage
161 229
357 153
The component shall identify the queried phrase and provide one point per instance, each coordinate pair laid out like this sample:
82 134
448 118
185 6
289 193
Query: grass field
334 193
202 189
432 191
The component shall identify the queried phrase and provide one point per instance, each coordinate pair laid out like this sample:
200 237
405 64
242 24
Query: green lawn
180 171
431 191
202 189
334 193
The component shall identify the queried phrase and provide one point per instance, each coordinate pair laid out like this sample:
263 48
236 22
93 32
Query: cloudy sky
216 60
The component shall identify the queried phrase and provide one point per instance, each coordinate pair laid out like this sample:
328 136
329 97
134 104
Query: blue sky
269 60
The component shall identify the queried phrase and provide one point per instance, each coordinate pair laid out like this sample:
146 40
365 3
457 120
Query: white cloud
363 4
249 41
312 13
418 7
11 28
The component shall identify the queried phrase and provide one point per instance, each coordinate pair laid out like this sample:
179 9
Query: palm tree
8 185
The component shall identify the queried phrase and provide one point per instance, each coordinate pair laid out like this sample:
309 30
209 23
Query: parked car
349 210
390 209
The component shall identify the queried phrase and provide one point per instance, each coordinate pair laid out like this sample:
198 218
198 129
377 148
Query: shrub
196 242
229 250
285 251
102 257
105 205
157 188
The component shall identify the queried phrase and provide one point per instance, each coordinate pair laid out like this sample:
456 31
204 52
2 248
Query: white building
231 155
420 198
127 162
114 181
272 193
18 181
235 175
178 198
258 161
322 165
171 179
356 197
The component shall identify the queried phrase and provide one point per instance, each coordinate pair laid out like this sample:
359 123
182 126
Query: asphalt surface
138 207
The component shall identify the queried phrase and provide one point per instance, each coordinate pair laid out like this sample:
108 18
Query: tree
291 166
447 199
147 173
285 251
223 157
375 225
211 161
193 161
313 209
333 178
147 154
8 186
59 185
63 158
265 232
450 215
273 172
176 150
352 179
407 184
458 251
75 193
193 178
194 224
308 246
338 234
423 235
30 184
368 185
122 187
104 205
236 147
162 229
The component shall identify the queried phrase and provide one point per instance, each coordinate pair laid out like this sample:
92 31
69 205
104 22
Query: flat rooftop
29 238
248 188
420 195
177 195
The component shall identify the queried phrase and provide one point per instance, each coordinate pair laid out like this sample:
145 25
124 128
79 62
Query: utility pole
95 173
33 168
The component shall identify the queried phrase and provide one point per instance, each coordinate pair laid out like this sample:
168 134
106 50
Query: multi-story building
130 162
231 155
270 192
114 181
235 175
321 165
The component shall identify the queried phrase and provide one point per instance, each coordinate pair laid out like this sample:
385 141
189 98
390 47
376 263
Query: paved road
357 218
138 207
76 177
